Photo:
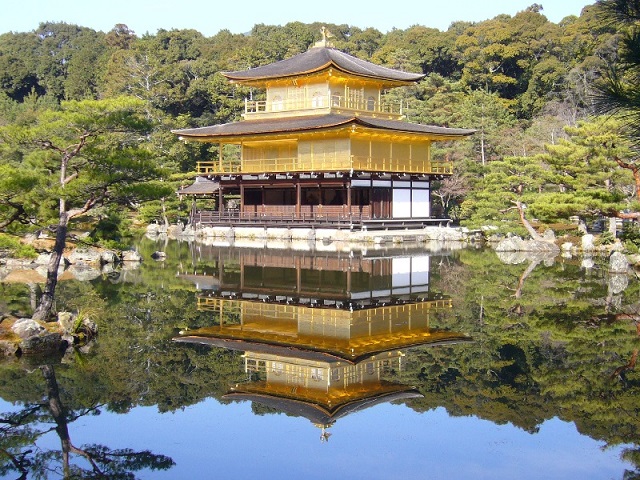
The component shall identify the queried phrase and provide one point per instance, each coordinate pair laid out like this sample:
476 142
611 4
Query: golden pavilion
323 149
322 336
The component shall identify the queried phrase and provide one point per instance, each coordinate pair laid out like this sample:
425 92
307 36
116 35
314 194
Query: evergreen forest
527 85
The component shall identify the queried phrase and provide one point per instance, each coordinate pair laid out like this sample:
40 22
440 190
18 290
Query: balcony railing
326 163
354 103
318 219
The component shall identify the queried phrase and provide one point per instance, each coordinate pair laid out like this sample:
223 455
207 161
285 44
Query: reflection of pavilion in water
322 336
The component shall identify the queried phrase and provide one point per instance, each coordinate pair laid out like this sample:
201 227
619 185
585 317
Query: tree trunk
43 311
628 216
523 277
57 412
34 293
634 169
613 226
164 215
532 231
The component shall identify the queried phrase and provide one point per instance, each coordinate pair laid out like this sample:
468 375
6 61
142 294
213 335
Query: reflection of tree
555 358
22 429
566 356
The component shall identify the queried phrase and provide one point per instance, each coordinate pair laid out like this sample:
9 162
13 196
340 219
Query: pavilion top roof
320 58
352 400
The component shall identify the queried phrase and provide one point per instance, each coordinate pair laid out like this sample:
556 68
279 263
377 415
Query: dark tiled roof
314 122
401 126
260 347
320 58
202 186
321 414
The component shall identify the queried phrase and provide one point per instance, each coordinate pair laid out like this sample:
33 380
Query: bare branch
89 204
520 207
18 215
70 178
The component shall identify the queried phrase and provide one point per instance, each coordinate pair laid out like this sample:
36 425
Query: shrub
605 238
111 230
631 234
630 247
15 248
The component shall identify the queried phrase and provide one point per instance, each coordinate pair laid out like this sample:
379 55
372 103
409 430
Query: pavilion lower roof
352 350
312 123
201 186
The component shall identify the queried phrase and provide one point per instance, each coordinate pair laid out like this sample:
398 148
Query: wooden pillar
220 268
241 273
262 198
220 157
241 199
372 200
220 201
349 198
298 198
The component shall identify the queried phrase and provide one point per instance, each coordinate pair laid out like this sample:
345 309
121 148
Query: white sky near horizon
210 16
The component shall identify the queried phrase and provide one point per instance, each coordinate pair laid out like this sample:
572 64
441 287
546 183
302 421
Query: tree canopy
522 81
86 154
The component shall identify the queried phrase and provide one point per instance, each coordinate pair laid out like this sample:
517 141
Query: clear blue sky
211 16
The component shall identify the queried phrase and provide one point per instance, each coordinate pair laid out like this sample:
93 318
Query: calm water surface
384 363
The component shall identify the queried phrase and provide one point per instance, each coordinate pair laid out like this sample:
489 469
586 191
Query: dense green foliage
521 81
15 248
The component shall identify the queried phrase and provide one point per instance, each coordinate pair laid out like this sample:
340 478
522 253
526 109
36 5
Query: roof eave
329 65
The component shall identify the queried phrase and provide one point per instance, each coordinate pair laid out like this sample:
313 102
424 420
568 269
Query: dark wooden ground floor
355 201
229 218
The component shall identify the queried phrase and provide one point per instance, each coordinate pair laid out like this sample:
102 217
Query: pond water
248 362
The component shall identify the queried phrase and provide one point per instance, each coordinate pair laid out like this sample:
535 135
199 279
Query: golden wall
332 154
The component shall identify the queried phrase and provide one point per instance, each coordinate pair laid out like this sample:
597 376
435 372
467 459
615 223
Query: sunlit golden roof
315 122
318 59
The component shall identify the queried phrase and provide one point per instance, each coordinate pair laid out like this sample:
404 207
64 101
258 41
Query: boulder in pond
48 342
85 255
517 244
109 256
131 256
618 263
618 283
588 242
26 327
158 255
510 244
174 231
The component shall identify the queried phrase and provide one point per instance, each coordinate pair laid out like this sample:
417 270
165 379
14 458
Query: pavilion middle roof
311 123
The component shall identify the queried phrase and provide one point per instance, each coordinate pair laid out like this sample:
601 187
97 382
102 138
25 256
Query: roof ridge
318 59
